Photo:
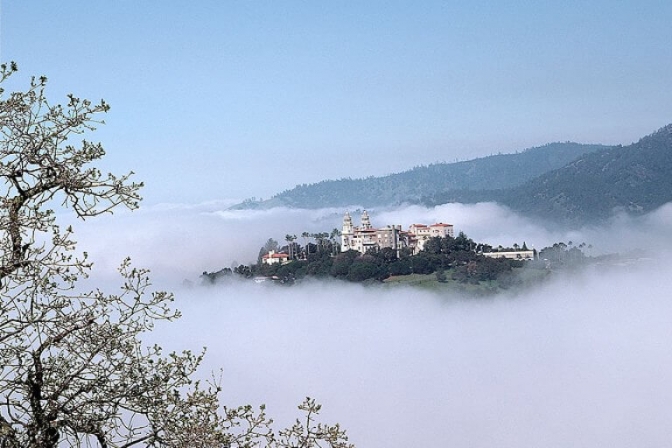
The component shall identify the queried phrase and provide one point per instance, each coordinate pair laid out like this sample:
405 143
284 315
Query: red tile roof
280 255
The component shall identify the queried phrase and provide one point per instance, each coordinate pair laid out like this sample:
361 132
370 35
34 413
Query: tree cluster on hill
460 255
564 254
451 259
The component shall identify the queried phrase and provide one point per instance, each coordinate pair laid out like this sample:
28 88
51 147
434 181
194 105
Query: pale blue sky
221 99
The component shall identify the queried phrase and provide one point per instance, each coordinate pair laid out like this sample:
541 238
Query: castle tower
347 224
366 222
346 233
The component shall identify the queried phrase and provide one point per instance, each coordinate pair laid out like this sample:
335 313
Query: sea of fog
583 361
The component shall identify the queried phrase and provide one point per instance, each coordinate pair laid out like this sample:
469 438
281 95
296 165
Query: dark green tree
342 262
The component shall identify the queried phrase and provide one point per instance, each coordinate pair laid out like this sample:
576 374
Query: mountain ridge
636 178
560 183
491 172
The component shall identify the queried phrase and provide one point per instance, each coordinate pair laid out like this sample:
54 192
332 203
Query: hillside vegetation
493 172
562 183
635 179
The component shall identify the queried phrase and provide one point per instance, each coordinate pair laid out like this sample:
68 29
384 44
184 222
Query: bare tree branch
73 370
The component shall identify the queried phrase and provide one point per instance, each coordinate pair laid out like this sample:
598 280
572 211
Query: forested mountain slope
564 183
493 172
635 178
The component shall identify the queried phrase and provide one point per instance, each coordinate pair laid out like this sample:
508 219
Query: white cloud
581 361
181 241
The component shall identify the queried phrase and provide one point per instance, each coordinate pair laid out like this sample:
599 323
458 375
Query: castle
365 237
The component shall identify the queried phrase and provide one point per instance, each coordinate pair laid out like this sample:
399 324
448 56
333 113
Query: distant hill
488 173
636 178
563 183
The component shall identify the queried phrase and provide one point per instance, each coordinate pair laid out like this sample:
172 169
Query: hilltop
635 179
493 172
561 183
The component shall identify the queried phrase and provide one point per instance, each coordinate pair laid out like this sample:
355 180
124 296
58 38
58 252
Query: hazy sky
217 100
222 99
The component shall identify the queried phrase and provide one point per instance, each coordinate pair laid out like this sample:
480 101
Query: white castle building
365 237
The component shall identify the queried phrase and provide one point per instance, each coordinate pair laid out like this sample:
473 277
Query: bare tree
309 434
73 371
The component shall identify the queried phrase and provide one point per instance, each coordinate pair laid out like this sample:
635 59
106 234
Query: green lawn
525 277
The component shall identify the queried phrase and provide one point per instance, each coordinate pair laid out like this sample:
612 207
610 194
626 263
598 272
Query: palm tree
290 245
323 239
320 238
305 236
334 244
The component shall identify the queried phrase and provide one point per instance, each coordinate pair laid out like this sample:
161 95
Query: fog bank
583 360
579 362
181 241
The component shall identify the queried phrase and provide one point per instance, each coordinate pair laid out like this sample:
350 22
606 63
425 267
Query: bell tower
346 233
366 222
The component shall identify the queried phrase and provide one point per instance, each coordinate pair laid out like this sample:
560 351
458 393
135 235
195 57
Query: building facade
274 257
365 237
512 255
421 233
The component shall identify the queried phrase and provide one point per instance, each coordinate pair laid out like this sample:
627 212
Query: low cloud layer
583 360
181 241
